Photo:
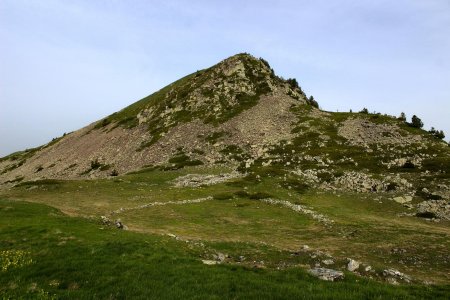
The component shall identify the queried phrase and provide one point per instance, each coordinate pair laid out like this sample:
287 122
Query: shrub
440 134
364 111
427 215
242 194
223 196
402 117
437 133
313 102
114 173
416 122
95 164
408 165
293 83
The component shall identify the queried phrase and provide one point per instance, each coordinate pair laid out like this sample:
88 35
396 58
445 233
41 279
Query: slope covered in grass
76 258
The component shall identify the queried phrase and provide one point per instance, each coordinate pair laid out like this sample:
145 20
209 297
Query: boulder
327 274
352 265
105 220
392 275
120 225
402 200
209 262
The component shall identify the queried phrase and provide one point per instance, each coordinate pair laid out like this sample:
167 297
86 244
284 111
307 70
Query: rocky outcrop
393 276
439 209
402 199
362 132
327 274
196 180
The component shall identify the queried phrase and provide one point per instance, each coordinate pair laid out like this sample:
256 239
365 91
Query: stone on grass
352 265
328 262
327 274
402 200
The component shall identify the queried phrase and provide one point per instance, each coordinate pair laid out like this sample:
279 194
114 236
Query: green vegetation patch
106 262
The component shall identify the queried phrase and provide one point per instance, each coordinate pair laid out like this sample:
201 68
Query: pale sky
65 64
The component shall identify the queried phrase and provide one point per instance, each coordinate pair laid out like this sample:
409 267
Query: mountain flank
239 114
233 166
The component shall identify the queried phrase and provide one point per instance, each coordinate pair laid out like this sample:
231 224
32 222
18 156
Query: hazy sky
65 64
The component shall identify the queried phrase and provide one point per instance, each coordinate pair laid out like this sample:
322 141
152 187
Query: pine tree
364 111
313 102
416 122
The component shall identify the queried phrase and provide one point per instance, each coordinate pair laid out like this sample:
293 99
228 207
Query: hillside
241 168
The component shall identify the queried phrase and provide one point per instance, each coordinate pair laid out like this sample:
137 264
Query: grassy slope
364 229
116 264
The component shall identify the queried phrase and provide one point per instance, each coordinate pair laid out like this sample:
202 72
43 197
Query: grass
109 263
363 229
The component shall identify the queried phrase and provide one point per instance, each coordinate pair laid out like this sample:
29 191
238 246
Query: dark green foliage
416 122
223 196
242 194
427 215
145 169
408 165
325 176
296 184
437 164
266 63
181 160
402 117
233 149
437 133
213 137
426 195
114 172
95 164
102 123
71 166
364 111
293 83
313 102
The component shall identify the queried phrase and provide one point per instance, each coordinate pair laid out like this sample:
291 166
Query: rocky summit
235 165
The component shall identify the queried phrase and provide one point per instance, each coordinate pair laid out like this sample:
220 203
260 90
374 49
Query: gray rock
105 220
328 262
434 209
120 225
402 200
393 274
209 262
327 274
221 257
352 265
